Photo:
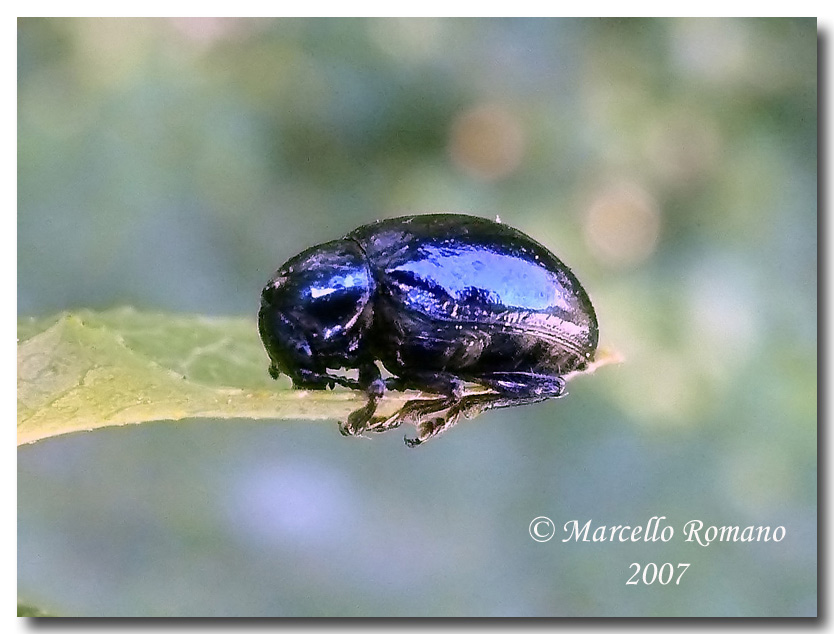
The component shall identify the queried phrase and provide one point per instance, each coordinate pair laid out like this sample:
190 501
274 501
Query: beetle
442 301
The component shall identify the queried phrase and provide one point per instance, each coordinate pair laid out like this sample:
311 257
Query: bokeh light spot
487 142
622 225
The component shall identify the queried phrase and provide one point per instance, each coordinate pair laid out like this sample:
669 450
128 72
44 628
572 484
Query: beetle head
316 309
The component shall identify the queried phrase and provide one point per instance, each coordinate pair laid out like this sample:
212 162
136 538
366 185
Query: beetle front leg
305 379
371 382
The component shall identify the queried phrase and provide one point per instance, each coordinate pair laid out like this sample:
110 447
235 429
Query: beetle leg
430 416
312 380
371 382
434 423
428 413
305 379
411 412
351 384
433 416
510 389
443 383
526 387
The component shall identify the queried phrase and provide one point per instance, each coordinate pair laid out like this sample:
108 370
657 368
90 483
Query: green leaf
24 609
85 370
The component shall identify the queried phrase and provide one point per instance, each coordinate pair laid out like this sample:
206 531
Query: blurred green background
173 164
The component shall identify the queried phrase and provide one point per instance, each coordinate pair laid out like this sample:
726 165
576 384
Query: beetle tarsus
361 419
357 422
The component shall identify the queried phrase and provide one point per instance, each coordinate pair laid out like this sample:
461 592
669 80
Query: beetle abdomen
477 294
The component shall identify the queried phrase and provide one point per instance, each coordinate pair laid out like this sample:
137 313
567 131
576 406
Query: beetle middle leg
431 416
447 386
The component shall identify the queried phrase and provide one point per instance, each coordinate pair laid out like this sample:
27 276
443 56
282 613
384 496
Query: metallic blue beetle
441 301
